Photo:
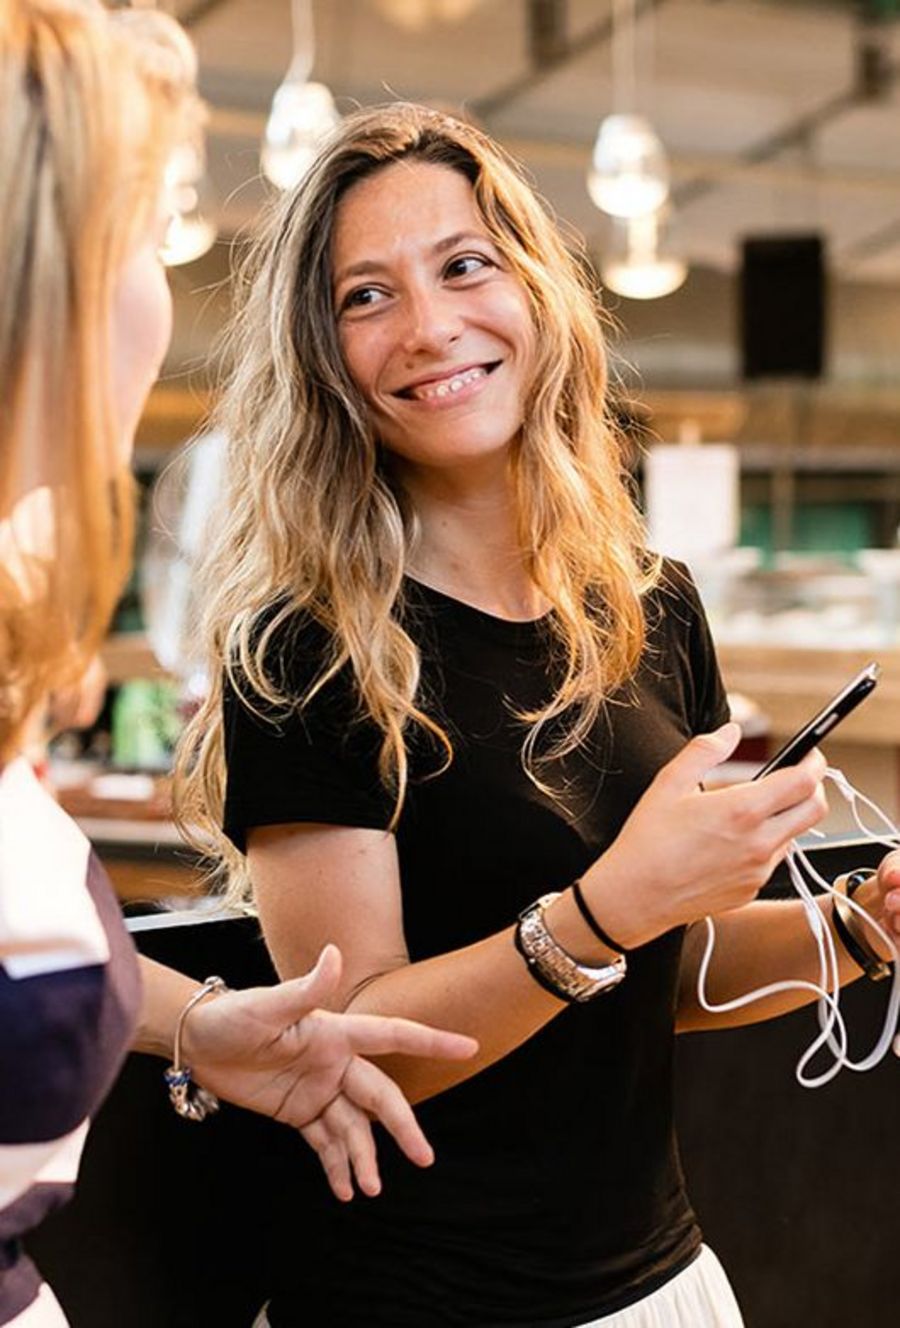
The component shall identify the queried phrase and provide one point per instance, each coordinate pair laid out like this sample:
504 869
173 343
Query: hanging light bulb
641 272
192 229
629 175
629 172
302 114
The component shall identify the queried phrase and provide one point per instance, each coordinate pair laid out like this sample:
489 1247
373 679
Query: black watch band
874 967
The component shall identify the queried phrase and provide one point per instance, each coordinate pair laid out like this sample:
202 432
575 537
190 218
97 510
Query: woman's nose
432 321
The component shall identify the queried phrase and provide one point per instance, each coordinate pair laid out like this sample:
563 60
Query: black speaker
782 306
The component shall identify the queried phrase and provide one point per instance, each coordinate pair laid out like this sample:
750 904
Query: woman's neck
468 547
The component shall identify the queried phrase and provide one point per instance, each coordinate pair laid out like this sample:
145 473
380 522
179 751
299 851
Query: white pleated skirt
700 1296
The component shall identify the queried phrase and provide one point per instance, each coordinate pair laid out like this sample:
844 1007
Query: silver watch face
570 979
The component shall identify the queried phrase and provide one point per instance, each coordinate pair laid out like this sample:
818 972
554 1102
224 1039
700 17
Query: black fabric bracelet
536 972
592 922
874 967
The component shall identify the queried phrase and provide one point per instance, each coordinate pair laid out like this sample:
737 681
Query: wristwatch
553 967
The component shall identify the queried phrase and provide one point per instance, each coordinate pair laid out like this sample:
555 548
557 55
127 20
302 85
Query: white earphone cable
832 1025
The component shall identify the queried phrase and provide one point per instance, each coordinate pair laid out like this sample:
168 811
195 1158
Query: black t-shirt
557 1194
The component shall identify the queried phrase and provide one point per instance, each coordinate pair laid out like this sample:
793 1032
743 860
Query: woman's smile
451 388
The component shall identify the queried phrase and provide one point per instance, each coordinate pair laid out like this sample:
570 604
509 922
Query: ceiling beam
236 123
876 242
194 12
875 76
597 34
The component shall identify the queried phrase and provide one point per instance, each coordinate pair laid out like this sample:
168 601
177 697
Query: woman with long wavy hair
92 104
458 724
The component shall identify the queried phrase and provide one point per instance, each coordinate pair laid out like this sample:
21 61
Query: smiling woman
459 722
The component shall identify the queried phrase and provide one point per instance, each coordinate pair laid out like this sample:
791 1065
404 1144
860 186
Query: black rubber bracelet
592 922
871 964
536 972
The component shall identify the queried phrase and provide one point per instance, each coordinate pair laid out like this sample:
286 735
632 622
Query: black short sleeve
312 764
708 699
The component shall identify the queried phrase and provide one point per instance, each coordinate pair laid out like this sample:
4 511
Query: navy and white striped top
69 992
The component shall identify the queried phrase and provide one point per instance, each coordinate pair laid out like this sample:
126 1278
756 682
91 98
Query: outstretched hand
275 1051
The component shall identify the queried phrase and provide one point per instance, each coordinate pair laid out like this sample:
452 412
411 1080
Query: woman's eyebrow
368 267
461 237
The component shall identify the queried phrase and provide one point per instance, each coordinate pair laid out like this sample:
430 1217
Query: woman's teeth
447 386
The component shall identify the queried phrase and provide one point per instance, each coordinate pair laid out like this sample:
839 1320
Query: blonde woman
461 729
91 106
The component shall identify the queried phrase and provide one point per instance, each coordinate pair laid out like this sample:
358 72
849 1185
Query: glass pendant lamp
629 171
634 267
303 113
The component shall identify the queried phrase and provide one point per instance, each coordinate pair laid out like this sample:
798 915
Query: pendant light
629 172
629 175
192 229
302 114
189 198
639 271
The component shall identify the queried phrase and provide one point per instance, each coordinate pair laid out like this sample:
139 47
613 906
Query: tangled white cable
833 1029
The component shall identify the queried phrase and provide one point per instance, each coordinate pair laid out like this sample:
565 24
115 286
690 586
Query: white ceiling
719 78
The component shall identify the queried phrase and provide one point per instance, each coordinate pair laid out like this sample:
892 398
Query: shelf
128 655
790 683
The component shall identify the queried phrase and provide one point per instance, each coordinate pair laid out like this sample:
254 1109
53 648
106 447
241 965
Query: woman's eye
362 298
466 265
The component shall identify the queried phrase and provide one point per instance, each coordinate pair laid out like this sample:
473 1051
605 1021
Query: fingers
379 1035
889 883
798 817
319 984
790 789
342 1136
889 870
331 1150
352 1145
377 1094
288 1002
693 763
360 1145
892 911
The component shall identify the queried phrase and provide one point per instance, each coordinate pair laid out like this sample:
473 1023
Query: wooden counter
790 684
147 861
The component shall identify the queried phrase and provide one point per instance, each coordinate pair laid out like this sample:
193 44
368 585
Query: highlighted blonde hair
311 520
91 104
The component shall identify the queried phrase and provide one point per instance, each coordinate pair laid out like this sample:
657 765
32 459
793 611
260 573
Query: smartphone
838 708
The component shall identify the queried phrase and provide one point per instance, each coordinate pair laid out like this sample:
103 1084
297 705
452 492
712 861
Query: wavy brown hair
312 522
91 104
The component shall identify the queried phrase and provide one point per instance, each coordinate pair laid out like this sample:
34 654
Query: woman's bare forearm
763 942
165 994
483 990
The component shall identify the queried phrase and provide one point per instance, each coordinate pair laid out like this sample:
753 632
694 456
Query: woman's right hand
684 852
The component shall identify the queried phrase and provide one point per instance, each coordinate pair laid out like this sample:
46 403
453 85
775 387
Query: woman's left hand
275 1051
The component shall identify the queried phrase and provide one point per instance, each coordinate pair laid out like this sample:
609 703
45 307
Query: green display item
145 724
840 529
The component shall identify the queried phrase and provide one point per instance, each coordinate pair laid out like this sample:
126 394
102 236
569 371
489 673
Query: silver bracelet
190 1100
553 967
